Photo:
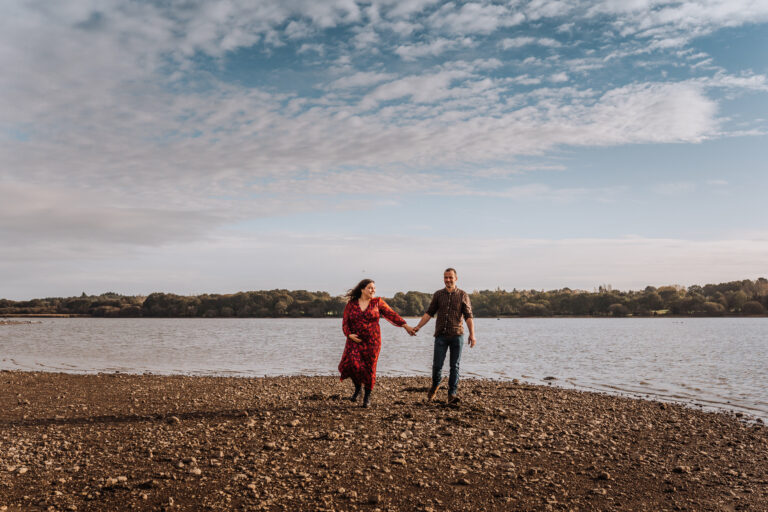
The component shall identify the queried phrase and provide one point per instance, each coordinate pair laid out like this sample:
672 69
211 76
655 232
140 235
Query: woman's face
369 291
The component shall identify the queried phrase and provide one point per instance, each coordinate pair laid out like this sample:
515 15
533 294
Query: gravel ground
140 442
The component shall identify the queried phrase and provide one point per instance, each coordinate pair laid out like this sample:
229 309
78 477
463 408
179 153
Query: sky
216 146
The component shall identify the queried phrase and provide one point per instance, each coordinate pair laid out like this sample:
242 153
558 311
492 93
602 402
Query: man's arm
471 326
466 310
424 319
431 310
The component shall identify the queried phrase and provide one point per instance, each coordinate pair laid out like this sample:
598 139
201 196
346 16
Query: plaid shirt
450 308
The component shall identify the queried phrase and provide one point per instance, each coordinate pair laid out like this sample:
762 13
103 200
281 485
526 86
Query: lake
715 363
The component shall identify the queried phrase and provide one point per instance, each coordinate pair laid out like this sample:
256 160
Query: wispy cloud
432 48
518 42
148 124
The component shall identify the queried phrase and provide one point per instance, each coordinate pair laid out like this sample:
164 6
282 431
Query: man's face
449 278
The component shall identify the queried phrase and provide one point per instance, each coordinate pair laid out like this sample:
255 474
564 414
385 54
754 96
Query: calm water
712 362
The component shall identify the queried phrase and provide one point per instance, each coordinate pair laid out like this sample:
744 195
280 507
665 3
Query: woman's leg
358 387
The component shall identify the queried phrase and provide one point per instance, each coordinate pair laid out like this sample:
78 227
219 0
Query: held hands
410 330
355 338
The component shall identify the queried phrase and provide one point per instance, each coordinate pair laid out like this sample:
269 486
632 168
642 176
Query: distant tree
535 309
618 310
753 307
713 309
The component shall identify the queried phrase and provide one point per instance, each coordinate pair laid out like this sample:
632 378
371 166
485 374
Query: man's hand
410 330
355 338
471 340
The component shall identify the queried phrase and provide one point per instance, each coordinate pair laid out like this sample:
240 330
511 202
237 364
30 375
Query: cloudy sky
216 146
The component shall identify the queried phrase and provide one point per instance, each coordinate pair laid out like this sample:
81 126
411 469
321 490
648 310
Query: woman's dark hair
356 292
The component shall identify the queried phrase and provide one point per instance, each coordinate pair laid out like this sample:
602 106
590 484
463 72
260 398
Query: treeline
736 298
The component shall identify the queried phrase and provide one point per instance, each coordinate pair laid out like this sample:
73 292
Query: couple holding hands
361 327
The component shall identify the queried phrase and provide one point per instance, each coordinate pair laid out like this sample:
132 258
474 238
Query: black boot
367 397
354 396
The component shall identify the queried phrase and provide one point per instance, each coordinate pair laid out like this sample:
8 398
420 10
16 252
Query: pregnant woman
361 327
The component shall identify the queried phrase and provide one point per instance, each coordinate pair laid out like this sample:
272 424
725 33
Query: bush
534 309
713 308
752 308
618 310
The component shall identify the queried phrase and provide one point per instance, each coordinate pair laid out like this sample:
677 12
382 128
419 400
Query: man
451 305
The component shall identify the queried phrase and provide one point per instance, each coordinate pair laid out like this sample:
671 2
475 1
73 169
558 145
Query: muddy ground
140 442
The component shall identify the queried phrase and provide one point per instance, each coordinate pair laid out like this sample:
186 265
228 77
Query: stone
173 420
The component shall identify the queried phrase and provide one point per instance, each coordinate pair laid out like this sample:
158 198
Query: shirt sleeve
345 320
466 306
433 306
390 314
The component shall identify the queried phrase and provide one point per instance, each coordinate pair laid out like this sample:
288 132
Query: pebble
579 440
173 420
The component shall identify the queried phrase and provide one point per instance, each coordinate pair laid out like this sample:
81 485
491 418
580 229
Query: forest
736 298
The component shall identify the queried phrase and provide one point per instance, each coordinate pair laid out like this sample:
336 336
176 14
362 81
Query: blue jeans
442 345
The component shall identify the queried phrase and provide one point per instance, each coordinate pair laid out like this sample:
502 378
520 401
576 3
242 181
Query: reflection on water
713 362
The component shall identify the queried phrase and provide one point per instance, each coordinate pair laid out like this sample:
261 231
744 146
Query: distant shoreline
552 317
737 298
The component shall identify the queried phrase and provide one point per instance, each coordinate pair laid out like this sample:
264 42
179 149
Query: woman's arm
392 317
345 325
345 319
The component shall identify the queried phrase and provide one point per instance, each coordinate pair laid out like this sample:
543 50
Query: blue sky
195 147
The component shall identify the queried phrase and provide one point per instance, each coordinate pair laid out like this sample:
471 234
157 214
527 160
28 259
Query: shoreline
149 442
743 412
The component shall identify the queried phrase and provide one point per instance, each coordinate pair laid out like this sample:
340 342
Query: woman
361 327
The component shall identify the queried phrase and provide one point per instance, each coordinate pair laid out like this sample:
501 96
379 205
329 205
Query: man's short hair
451 269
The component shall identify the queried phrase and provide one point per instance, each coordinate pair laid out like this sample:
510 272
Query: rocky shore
141 442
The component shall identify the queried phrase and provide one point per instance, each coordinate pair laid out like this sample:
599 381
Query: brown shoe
432 392
453 399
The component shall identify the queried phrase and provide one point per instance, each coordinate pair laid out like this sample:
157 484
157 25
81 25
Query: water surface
717 363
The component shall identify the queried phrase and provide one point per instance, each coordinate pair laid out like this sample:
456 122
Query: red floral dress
359 359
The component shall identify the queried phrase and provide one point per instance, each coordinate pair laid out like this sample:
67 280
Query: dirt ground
140 442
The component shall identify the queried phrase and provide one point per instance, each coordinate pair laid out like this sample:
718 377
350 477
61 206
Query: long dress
359 359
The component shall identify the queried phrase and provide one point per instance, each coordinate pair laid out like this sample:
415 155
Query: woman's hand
355 338
410 330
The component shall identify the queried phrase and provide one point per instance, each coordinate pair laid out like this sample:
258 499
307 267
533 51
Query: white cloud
405 8
518 42
420 88
361 79
525 80
113 132
431 48
473 18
